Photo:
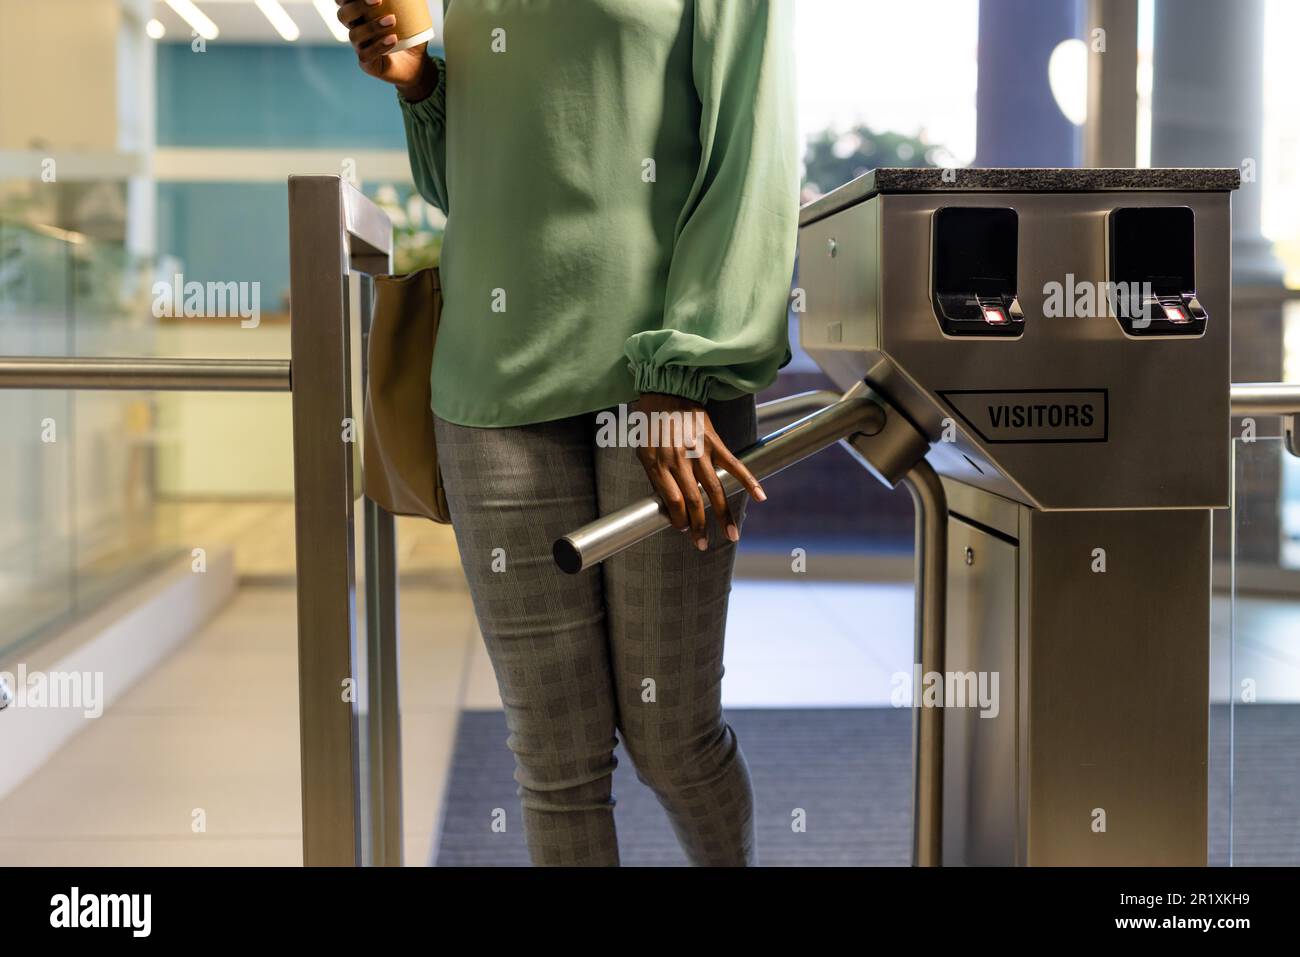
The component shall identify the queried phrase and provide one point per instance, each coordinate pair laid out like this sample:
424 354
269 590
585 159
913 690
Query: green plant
834 157
417 228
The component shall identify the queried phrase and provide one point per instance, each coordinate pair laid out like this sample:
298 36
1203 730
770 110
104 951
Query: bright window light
279 18
196 18
1067 76
329 12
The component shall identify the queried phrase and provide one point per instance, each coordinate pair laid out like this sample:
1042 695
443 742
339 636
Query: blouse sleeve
725 332
426 140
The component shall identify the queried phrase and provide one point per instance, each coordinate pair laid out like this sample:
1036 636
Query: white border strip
180 165
124 641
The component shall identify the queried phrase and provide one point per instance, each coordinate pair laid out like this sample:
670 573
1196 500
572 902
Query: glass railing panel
37 440
79 509
1256 697
122 530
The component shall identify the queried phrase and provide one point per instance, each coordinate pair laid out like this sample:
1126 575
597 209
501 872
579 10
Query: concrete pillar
1207 109
1110 135
1017 120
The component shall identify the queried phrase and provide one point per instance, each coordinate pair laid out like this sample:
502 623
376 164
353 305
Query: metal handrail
145 374
1271 398
1265 398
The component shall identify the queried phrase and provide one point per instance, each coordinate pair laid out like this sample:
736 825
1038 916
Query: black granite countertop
1029 180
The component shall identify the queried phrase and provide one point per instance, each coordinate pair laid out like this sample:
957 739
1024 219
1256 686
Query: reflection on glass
78 517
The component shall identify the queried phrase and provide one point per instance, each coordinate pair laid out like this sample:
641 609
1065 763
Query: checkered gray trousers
633 647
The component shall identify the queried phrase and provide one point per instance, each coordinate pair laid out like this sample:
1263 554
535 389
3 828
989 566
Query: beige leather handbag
400 459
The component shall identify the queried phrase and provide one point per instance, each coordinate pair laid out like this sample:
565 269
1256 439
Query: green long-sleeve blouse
620 179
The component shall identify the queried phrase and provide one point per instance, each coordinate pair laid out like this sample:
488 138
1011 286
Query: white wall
224 444
60 94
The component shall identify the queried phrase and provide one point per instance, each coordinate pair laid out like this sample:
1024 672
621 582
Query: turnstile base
1090 745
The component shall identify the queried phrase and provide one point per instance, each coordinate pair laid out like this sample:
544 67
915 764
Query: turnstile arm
857 412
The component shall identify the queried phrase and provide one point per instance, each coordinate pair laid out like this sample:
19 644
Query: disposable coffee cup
414 22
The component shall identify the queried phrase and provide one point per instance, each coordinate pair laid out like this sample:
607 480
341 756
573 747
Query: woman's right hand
372 35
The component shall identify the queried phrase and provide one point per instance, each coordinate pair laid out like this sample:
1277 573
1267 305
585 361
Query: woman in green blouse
620 179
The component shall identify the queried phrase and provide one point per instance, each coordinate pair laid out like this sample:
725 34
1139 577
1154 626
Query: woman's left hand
684 456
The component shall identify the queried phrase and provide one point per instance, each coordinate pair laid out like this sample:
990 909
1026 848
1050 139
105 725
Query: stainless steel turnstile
1058 342
1064 337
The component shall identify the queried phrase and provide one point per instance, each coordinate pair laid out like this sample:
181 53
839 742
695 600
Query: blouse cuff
433 108
685 381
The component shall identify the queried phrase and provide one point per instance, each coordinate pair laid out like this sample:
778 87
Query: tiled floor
793 645
1266 651
198 764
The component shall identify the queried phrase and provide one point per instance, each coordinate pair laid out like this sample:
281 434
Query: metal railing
153 375
351 808
1271 398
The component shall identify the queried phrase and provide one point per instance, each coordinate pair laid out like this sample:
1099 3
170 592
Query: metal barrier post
334 230
383 725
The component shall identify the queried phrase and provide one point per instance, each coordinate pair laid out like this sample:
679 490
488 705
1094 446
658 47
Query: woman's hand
687 453
371 35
